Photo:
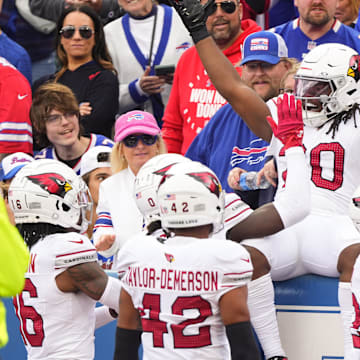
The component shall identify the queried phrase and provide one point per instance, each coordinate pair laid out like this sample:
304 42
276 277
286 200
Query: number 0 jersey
54 324
176 285
334 167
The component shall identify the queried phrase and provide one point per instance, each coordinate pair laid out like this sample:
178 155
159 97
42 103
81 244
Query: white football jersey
176 284
235 211
54 324
334 166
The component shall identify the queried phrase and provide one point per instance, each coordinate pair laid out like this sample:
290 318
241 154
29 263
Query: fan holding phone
145 45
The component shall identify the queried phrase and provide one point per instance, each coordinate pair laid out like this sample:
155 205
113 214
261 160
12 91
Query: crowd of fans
105 87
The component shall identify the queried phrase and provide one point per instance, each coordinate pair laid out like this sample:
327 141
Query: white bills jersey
176 285
54 324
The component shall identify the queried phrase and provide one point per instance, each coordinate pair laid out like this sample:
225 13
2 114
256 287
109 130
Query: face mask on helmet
190 195
48 191
147 182
326 82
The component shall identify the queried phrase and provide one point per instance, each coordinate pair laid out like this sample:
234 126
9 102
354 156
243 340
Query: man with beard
316 25
193 99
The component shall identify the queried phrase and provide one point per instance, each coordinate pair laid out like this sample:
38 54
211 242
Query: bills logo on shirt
135 117
249 155
259 44
183 46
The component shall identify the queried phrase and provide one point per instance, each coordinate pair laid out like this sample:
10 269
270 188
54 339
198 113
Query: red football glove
290 127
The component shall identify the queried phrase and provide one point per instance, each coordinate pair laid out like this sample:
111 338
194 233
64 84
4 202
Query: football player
328 84
56 309
186 296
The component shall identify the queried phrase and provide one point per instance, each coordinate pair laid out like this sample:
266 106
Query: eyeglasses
132 140
264 66
68 32
226 6
56 118
103 157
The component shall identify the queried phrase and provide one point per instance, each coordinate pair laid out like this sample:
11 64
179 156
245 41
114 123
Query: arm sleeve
46 9
103 97
293 204
172 120
15 256
242 341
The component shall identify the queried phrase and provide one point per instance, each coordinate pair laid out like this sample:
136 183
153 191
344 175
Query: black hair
33 232
342 117
153 226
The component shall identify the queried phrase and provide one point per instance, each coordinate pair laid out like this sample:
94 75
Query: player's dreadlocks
343 116
32 233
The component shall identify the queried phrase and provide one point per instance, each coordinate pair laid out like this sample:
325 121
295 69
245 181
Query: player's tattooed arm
88 278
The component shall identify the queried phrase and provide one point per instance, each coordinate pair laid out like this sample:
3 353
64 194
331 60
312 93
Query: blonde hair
295 65
118 161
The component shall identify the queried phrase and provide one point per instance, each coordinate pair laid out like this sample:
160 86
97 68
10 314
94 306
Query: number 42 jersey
176 285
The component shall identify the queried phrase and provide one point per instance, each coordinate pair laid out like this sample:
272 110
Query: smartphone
164 69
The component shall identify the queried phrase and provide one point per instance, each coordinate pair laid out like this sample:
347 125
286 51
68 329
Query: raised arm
223 75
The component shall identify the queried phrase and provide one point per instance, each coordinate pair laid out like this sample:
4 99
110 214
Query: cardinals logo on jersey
52 183
170 258
353 70
209 180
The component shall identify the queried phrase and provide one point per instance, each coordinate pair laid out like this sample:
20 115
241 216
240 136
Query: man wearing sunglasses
193 98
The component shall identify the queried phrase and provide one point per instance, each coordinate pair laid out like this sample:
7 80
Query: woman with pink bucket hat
138 139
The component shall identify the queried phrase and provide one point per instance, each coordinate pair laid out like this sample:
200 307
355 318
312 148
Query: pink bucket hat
134 122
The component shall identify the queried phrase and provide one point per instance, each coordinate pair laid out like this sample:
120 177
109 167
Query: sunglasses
226 6
264 66
132 140
68 32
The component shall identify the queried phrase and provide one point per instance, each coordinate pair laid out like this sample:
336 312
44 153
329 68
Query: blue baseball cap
264 46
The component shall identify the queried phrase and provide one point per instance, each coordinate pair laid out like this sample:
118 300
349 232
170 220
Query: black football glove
194 16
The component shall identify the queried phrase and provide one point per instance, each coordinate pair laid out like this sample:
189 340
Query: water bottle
248 181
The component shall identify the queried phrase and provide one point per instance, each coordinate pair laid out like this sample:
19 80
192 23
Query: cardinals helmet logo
353 70
209 180
164 170
169 258
52 183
